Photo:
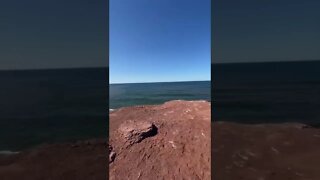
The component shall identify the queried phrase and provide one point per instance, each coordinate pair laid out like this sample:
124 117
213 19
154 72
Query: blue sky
159 41
265 30
37 34
156 40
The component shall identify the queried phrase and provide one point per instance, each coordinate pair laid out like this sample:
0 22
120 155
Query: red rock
174 141
135 131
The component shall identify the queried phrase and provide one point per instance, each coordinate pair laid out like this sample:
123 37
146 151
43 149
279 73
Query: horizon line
158 82
93 67
96 67
271 61
54 68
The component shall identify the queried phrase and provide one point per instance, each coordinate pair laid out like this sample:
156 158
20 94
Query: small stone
112 156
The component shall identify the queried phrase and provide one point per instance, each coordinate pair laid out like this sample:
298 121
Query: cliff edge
168 141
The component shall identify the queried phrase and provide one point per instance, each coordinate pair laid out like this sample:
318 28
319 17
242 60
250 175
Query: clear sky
37 34
159 40
265 30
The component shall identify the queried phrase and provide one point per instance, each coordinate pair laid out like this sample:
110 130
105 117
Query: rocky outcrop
135 131
168 141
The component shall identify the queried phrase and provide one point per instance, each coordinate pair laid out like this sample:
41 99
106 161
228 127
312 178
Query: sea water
49 106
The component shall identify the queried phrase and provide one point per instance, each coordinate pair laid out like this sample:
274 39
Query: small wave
110 110
8 152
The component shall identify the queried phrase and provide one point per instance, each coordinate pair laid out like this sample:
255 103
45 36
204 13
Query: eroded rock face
135 131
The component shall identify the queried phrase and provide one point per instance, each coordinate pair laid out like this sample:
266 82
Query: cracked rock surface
135 131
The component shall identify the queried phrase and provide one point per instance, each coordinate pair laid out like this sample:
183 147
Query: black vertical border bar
107 87
108 68
212 91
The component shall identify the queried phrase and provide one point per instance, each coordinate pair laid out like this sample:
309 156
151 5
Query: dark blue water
267 92
45 106
122 95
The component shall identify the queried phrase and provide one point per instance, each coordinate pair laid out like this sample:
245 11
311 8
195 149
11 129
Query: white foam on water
8 152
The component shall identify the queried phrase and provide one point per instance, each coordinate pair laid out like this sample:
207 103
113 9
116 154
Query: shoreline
250 151
157 104
8 152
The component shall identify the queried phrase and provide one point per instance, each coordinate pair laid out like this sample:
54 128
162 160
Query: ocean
274 92
122 95
48 106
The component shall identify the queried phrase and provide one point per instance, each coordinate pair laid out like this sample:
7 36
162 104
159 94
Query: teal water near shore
122 95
